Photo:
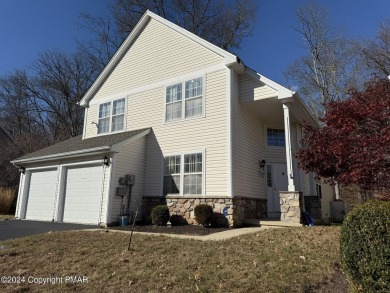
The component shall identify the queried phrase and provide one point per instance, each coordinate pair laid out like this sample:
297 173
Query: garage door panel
83 195
41 195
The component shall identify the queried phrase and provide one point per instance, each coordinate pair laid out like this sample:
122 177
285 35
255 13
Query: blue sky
28 28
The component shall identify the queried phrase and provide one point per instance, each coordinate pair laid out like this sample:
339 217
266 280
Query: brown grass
7 196
277 260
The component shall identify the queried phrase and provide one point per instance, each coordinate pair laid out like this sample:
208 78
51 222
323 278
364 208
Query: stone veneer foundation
238 208
291 206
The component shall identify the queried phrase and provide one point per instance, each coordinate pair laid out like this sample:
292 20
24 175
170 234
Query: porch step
275 223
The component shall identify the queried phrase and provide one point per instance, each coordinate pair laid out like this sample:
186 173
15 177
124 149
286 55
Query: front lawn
277 260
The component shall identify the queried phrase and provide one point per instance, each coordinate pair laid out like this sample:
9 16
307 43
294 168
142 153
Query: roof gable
147 22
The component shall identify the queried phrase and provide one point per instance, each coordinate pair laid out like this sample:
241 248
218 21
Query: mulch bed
183 229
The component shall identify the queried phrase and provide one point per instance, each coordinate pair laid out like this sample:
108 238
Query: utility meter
130 179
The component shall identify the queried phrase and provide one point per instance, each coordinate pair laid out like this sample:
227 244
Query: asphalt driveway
21 228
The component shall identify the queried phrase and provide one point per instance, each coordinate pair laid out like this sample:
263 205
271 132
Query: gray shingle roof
75 144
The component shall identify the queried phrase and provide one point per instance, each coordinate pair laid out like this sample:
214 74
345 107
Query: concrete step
266 222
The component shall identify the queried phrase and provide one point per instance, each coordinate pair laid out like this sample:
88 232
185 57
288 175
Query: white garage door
83 195
41 195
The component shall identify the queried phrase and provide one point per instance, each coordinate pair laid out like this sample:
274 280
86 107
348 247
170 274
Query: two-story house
189 120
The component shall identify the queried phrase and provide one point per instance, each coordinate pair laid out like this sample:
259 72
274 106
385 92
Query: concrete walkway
228 234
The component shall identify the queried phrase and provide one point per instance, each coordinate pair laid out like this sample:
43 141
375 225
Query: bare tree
222 23
325 73
20 114
374 55
9 174
104 42
59 82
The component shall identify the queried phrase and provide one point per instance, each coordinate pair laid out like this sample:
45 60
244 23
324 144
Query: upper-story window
275 137
112 116
178 108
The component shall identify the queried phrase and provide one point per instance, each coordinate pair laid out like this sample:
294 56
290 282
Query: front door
276 182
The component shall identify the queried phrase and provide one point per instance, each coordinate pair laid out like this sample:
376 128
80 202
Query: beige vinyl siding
248 147
209 134
129 160
252 90
157 53
91 116
309 183
327 197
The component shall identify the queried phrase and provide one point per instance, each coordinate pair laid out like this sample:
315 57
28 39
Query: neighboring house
189 120
5 140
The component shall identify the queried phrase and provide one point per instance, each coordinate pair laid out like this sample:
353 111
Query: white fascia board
309 117
117 146
73 154
285 96
283 92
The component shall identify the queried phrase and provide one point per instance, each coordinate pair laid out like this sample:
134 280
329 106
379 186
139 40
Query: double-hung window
275 137
183 174
173 102
111 116
191 105
172 175
104 117
194 98
193 174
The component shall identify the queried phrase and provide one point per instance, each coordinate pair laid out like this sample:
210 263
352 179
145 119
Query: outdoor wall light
262 164
106 161
22 170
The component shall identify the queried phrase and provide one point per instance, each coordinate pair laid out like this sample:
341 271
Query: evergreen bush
203 214
160 215
365 247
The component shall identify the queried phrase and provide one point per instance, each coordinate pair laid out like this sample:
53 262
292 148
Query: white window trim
111 101
183 99
182 154
266 137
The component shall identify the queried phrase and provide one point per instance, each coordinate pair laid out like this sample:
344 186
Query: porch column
287 130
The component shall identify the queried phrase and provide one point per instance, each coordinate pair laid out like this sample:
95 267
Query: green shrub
219 221
177 220
203 214
365 247
160 215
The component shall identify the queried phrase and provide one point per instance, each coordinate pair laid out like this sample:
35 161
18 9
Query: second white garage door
83 192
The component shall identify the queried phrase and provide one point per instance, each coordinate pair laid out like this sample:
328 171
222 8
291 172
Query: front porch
281 112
